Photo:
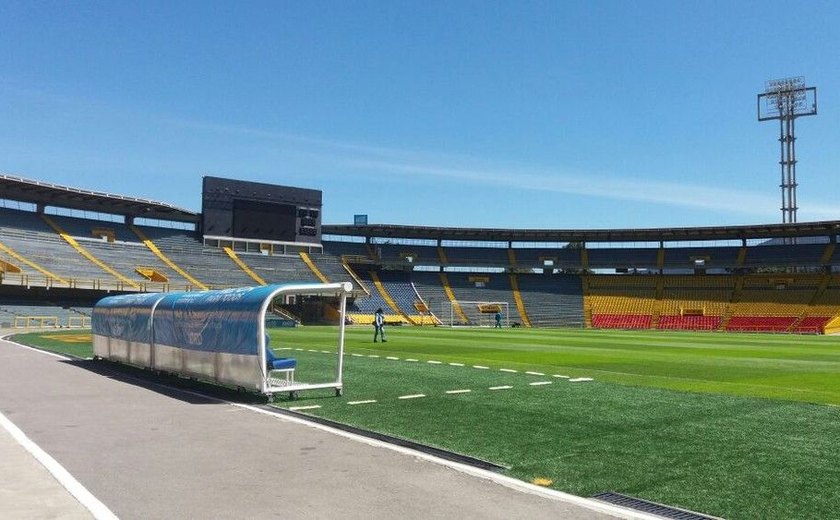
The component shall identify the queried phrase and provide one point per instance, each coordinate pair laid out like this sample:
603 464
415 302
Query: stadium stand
278 268
552 300
784 255
622 258
354 252
770 282
25 313
536 257
714 257
361 309
473 256
332 267
482 288
393 253
430 289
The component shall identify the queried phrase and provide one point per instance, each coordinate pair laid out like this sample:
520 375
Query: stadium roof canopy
595 235
37 192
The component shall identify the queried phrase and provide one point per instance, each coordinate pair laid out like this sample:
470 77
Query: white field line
456 364
300 349
540 383
325 352
580 379
311 350
284 348
79 492
412 396
369 401
373 355
311 407
535 373
464 391
392 358
356 355
509 370
412 360
433 362
503 387
481 367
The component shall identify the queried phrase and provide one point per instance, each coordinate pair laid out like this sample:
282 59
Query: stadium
56 264
681 342
419 260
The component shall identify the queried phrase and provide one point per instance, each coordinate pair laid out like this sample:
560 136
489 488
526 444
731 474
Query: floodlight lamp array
787 97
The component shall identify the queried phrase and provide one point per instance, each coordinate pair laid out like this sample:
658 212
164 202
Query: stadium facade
62 248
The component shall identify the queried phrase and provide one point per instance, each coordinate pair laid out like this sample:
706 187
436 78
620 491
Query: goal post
463 313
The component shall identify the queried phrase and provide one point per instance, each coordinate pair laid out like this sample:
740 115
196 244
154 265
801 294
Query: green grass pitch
738 426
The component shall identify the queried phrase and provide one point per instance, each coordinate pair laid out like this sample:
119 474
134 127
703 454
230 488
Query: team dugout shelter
218 336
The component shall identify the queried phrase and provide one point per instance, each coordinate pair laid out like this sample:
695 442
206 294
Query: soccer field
738 426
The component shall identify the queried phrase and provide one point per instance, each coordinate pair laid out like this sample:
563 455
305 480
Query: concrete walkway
28 490
149 452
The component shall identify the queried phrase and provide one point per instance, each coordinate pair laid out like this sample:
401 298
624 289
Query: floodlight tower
786 99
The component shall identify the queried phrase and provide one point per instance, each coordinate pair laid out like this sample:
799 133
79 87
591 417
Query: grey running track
146 451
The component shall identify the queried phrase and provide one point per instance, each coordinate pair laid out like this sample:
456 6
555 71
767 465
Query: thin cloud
467 170
454 168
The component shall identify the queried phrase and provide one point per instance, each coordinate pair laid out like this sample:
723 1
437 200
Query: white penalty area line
79 492
412 396
464 391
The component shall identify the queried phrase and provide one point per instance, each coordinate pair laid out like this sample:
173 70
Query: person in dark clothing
379 325
498 320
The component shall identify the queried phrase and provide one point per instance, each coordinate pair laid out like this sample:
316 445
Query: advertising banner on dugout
212 321
127 317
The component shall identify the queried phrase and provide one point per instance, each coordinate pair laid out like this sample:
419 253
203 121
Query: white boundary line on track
503 480
42 351
67 481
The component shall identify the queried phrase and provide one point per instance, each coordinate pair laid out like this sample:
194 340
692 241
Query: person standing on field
379 325
498 320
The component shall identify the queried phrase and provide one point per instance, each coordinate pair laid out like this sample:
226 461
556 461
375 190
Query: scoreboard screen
253 210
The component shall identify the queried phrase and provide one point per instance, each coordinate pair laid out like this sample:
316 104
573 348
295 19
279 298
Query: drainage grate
650 507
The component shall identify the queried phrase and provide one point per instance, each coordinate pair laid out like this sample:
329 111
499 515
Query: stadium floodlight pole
786 99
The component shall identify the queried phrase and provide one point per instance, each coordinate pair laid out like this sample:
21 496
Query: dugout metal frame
218 336
270 385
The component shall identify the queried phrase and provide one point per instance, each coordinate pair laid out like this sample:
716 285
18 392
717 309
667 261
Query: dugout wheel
339 392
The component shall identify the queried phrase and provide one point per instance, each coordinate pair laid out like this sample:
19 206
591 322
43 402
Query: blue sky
483 114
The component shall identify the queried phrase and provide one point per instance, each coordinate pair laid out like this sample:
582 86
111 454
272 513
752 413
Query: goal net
461 313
